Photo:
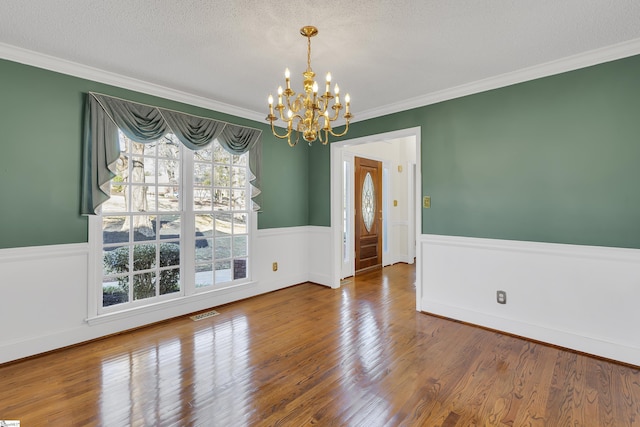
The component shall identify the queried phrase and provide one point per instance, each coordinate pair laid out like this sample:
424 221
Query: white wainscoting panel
579 297
43 291
320 252
288 246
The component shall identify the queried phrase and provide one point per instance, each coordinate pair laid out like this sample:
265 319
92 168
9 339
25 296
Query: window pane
240 223
115 260
144 285
169 204
115 290
239 201
169 281
143 169
239 269
144 227
204 275
223 271
168 172
368 201
221 177
151 200
239 246
223 223
169 254
239 160
201 199
118 200
204 251
144 257
222 247
139 198
148 148
202 174
124 142
220 155
204 225
222 199
169 226
202 155
239 177
169 147
168 191
115 229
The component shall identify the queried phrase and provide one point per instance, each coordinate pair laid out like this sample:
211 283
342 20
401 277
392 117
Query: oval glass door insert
368 202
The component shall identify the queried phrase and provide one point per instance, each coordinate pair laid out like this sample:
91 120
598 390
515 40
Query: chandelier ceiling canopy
309 112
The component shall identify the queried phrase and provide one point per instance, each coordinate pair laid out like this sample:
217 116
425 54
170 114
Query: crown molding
570 63
52 63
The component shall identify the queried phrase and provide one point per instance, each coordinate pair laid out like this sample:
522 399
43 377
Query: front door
368 214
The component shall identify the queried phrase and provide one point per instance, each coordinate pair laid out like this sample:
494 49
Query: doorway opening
399 154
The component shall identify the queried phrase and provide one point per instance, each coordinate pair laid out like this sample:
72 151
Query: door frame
336 157
349 269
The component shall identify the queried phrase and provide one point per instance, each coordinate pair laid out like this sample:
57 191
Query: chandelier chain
308 53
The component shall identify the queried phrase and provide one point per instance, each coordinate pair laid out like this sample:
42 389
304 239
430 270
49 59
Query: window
165 234
221 212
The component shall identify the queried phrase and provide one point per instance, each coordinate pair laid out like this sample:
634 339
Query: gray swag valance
104 115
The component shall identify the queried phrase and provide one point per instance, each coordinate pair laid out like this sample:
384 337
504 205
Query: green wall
40 163
319 185
551 160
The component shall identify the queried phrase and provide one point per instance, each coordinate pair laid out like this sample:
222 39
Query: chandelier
305 110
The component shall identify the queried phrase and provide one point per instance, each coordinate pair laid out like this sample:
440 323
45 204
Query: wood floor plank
310 355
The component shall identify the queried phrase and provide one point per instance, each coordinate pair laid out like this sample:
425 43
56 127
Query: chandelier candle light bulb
305 109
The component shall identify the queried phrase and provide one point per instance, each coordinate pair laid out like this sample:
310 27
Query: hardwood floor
308 355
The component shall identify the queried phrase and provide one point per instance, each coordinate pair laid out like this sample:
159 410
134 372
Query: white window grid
185 214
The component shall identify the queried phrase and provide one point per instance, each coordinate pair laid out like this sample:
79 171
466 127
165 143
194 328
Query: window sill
162 305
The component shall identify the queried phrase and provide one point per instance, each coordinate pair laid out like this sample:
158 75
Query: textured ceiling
383 52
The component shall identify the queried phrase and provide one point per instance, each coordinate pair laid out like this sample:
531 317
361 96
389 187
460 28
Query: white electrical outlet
501 297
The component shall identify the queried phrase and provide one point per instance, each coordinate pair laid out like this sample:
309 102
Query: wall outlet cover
501 297
426 202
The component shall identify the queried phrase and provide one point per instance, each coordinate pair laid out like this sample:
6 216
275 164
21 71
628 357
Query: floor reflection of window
141 386
221 390
362 347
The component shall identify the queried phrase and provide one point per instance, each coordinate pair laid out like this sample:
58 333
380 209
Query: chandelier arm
324 140
286 135
290 105
290 143
288 102
297 138
280 112
323 104
337 135
337 109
